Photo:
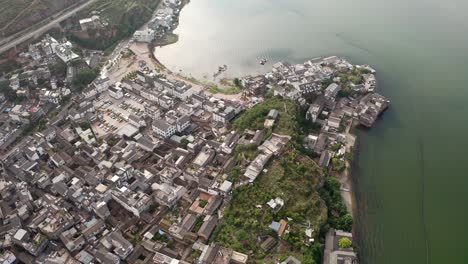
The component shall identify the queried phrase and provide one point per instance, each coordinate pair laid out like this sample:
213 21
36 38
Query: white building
181 91
224 116
167 194
313 112
135 202
7 258
164 128
64 52
116 92
14 82
146 35
101 84
90 22
332 90
182 123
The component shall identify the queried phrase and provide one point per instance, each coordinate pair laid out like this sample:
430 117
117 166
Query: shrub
345 243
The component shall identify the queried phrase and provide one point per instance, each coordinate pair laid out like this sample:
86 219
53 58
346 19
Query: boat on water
221 69
263 61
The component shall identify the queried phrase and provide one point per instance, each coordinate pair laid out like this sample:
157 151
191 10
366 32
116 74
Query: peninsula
109 157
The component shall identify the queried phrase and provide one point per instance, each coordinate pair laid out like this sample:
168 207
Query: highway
13 42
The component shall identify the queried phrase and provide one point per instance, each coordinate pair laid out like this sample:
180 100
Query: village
139 165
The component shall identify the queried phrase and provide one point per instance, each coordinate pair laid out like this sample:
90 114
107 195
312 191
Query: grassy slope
123 17
116 10
20 14
254 118
10 9
292 176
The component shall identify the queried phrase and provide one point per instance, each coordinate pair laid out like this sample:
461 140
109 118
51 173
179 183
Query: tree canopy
345 242
84 78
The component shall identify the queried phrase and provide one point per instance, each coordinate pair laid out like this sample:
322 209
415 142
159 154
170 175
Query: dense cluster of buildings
150 191
334 102
165 20
36 93
135 171
49 48
40 86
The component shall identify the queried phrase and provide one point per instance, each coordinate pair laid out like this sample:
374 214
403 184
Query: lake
411 173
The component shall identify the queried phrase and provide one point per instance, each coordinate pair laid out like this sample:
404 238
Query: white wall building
116 92
146 35
164 128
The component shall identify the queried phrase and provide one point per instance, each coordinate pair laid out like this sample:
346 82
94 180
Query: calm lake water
411 174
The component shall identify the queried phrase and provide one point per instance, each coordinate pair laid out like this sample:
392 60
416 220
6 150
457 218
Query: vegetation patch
311 198
10 9
345 242
84 78
246 152
338 217
226 89
202 203
295 179
292 177
127 54
16 15
8 65
167 39
123 18
254 118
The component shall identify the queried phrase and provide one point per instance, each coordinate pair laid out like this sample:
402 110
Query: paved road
41 30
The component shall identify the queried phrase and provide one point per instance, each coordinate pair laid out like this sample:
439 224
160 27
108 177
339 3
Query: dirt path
345 178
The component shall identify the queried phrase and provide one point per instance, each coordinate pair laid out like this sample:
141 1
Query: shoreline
346 178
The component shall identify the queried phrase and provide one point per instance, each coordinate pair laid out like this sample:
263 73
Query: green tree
237 82
184 142
9 93
9 65
345 243
58 68
338 165
84 78
345 222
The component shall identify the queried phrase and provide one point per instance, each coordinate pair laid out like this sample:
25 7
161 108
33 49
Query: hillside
311 198
292 176
131 12
16 15
295 178
122 18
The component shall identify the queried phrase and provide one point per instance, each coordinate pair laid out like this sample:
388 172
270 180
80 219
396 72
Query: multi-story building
135 202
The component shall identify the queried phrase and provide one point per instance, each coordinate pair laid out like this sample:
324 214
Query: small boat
263 61
221 69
